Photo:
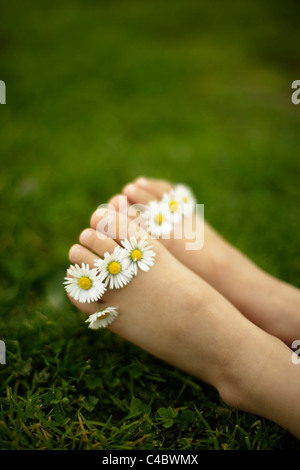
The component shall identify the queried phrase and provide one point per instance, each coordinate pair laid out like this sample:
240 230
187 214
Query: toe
138 195
117 226
155 187
79 254
120 203
96 241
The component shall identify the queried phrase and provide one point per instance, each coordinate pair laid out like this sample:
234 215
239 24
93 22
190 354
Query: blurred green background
100 92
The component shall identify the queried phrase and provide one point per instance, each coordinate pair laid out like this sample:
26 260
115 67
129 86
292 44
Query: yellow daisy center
114 267
158 219
103 315
185 199
84 282
136 255
173 206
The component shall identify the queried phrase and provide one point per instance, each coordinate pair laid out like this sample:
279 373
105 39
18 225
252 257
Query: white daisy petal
102 318
157 219
175 205
139 254
83 284
186 198
143 266
134 267
114 269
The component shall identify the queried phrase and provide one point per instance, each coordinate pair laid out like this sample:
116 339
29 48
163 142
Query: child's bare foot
175 315
269 303
159 309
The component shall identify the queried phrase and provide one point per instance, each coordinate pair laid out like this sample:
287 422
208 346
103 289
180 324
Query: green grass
97 94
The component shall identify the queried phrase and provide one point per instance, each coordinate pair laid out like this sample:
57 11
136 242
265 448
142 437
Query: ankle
246 384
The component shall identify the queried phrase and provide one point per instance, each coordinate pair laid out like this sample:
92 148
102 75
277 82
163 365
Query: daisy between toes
114 271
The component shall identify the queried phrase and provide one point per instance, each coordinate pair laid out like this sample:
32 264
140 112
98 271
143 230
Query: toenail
130 188
102 211
142 181
74 252
85 235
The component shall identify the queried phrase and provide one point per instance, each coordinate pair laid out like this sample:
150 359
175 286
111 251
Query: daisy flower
83 284
157 218
185 197
175 204
102 318
139 254
113 269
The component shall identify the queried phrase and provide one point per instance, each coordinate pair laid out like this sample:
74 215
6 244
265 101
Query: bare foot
268 302
159 309
175 315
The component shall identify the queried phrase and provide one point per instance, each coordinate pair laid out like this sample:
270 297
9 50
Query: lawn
99 93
